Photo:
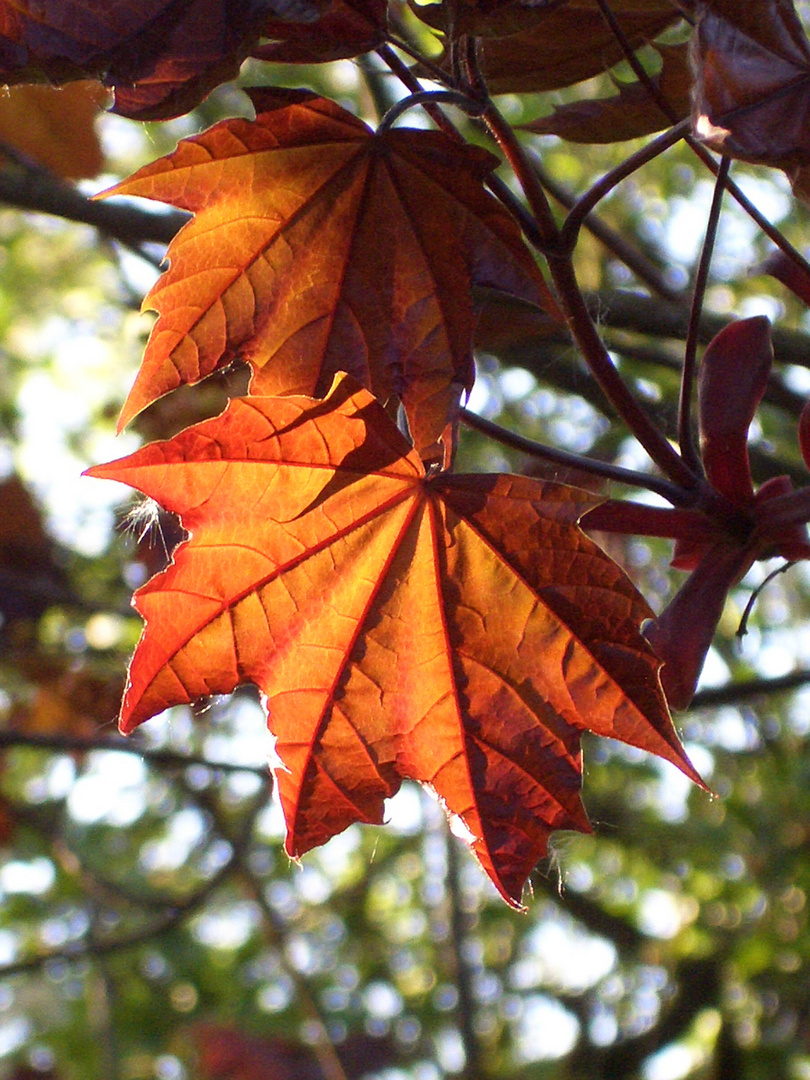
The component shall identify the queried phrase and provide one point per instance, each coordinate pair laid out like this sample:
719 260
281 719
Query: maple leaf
735 525
161 56
631 113
457 630
55 126
565 45
318 246
752 67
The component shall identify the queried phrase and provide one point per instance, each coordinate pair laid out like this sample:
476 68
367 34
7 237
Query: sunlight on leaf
460 631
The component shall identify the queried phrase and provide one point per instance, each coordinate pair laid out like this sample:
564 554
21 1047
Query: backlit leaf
318 246
55 126
457 630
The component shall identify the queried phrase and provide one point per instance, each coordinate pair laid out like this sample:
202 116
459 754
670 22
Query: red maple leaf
457 630
317 246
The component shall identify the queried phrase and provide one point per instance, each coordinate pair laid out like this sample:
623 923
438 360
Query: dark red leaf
752 65
527 48
631 113
682 634
732 379
784 269
347 28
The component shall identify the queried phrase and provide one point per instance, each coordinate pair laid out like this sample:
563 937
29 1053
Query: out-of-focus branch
170 758
39 190
94 947
622 933
738 692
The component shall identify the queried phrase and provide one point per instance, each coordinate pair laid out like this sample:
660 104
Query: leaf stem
685 435
409 80
547 227
593 350
700 151
434 72
604 469
498 188
584 205
424 97
633 258
547 239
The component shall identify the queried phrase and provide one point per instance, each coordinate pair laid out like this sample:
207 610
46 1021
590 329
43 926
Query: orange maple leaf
456 630
55 126
319 246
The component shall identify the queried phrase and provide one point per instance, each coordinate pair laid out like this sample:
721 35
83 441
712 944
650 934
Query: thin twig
685 435
585 204
504 136
633 258
596 356
603 469
116 744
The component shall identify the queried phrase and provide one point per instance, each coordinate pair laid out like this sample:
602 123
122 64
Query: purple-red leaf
786 270
347 28
161 56
752 66
631 113
683 632
732 379
554 47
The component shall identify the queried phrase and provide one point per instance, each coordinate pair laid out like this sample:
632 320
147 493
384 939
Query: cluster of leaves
401 620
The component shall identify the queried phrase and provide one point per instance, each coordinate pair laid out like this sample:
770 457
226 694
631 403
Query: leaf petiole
462 101
604 469
584 205
685 437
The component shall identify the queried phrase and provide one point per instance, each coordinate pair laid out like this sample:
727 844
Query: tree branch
118 744
736 693
39 190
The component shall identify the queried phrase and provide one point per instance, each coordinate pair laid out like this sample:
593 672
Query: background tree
152 925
